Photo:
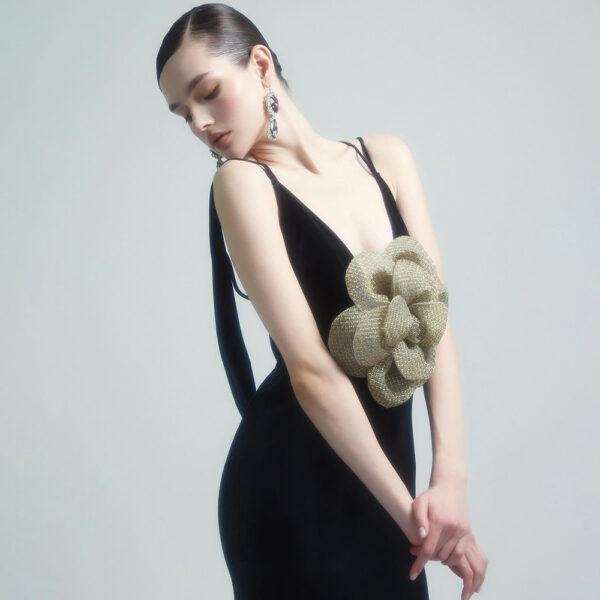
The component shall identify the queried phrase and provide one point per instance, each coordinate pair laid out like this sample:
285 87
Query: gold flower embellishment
398 317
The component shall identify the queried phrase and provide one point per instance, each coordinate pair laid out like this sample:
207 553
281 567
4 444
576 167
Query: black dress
295 521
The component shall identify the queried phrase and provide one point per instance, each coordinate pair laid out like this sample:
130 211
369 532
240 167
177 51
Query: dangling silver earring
272 104
219 158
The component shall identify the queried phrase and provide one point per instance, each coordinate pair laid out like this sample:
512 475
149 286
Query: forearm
443 395
331 403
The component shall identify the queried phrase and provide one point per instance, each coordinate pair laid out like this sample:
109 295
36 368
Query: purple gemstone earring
272 104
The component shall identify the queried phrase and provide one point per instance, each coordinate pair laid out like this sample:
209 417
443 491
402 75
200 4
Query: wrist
455 473
401 511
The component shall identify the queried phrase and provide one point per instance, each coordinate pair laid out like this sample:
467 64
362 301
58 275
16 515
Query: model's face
227 98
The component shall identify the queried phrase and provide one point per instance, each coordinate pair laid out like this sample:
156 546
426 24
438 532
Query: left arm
443 393
441 509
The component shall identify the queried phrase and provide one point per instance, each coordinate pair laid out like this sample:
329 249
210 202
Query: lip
221 139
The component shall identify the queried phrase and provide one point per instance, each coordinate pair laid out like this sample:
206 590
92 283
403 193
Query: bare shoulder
244 198
388 152
232 177
384 143
395 161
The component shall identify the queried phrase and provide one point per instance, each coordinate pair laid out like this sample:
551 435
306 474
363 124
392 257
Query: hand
442 511
467 561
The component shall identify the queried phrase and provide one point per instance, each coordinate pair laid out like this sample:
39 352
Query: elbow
309 376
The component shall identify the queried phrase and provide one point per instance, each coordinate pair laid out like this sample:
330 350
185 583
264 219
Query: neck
298 145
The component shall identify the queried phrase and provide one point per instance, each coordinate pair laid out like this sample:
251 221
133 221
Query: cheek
226 106
243 107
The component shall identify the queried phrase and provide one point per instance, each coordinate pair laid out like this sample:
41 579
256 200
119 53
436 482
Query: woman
316 497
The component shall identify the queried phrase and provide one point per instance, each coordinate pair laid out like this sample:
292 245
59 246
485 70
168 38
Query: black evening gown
295 521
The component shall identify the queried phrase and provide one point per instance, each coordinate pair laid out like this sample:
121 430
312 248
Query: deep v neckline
383 187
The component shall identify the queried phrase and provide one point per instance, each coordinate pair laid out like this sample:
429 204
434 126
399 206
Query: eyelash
209 97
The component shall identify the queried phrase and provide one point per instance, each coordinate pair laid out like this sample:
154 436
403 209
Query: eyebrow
190 86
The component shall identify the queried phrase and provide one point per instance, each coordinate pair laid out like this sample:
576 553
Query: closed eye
212 95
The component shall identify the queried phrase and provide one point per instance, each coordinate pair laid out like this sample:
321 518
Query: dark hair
225 30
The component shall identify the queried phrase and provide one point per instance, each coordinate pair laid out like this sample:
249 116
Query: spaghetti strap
388 196
362 143
364 155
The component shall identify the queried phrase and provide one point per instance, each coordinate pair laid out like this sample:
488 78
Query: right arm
247 210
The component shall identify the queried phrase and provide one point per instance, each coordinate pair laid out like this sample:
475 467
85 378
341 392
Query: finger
476 557
485 563
420 508
445 537
484 558
417 566
435 553
460 570
460 549
476 564
457 554
447 550
425 553
467 577
414 550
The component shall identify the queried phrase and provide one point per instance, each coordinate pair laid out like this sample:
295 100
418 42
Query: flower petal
386 384
414 363
413 282
340 341
399 322
409 248
368 338
433 317
369 279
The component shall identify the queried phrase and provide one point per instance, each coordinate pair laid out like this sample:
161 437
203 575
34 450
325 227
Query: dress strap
367 159
229 334
398 225
364 155
371 164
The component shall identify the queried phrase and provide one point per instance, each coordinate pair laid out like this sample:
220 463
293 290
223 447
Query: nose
199 123
199 129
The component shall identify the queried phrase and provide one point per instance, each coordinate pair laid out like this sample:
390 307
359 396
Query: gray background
116 416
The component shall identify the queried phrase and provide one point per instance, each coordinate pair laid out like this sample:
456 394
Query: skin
320 171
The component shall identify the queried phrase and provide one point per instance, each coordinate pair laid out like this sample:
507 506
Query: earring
272 104
219 158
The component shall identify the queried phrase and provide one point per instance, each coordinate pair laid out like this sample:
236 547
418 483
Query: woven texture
399 315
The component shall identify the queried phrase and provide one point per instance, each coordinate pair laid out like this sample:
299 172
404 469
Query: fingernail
412 576
422 532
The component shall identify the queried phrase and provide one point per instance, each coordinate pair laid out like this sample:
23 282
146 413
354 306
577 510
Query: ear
262 61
